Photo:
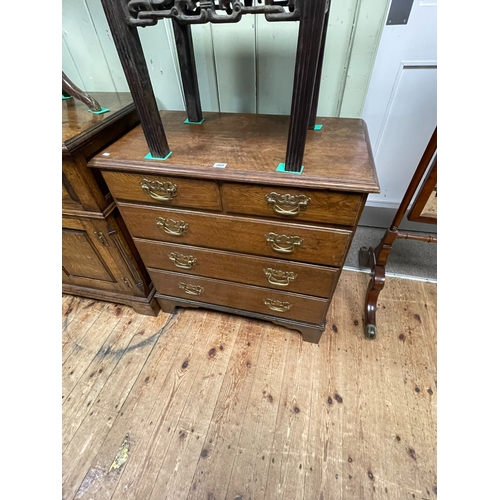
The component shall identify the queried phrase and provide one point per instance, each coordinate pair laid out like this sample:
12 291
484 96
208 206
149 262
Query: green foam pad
103 110
149 157
281 168
193 123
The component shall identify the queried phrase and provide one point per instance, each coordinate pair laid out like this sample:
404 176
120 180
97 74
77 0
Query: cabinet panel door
85 258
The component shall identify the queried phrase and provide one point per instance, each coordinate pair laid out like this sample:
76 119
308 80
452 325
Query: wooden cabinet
244 239
99 259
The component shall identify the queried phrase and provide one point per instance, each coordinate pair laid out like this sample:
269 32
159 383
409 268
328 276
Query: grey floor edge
407 259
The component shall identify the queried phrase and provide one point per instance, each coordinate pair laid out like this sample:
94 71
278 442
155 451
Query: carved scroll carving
148 12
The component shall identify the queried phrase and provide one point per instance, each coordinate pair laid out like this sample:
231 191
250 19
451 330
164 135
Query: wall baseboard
382 217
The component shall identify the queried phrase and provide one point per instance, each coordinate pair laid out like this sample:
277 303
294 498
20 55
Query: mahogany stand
377 258
125 16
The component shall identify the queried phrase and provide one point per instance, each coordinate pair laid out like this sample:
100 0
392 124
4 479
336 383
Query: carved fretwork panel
147 12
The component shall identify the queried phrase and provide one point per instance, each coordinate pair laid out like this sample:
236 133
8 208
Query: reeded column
135 68
185 53
306 66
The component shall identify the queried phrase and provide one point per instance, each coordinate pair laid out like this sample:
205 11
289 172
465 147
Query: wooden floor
207 405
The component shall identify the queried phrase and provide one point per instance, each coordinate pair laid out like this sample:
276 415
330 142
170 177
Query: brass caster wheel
370 331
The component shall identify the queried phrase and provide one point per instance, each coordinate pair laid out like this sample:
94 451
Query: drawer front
238 234
248 298
282 275
332 207
164 191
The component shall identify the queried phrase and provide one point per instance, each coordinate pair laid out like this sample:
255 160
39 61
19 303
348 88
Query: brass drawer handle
182 261
298 203
191 289
277 305
277 241
161 191
277 277
170 226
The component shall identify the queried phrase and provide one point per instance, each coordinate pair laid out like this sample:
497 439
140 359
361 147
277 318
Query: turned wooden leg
134 65
185 53
71 89
306 66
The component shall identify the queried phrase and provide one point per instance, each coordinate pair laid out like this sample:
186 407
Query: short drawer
283 275
237 296
334 207
303 243
164 191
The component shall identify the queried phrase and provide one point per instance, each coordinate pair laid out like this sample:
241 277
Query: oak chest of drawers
99 259
242 237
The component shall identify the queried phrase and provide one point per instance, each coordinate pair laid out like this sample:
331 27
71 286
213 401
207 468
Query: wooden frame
424 208
125 15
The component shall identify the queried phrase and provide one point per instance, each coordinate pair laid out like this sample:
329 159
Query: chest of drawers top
84 134
88 132
337 158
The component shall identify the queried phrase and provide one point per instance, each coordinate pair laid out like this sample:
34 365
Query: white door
401 103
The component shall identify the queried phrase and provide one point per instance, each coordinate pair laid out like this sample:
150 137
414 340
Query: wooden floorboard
201 404
250 468
78 318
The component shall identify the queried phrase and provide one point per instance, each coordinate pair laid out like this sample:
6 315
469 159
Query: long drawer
304 243
313 205
163 190
283 275
245 297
